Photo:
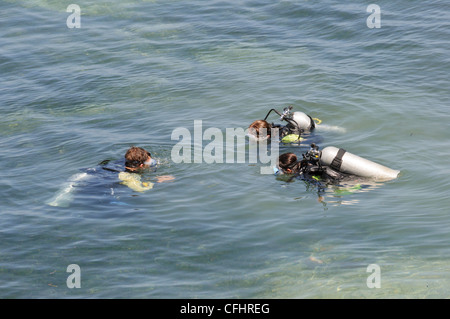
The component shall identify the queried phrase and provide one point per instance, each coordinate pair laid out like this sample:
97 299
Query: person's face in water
286 163
285 170
149 162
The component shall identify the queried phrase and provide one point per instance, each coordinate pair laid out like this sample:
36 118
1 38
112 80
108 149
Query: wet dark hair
289 161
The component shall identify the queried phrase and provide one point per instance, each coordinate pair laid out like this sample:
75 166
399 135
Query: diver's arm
165 178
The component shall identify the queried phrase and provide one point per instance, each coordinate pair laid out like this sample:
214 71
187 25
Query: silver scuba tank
304 121
343 161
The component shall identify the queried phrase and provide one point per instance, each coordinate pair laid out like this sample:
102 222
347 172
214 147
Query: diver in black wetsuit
310 168
107 174
298 124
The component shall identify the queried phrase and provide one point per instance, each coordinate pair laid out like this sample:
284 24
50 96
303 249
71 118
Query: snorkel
151 162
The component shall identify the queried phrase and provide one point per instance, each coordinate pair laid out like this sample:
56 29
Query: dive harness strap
337 161
312 124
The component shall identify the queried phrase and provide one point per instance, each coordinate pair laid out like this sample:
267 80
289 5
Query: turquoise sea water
136 70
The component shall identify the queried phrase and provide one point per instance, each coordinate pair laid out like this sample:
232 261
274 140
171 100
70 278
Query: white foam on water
64 196
330 128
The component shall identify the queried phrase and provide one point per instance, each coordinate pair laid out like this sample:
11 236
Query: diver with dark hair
298 125
136 160
310 167
345 173
129 172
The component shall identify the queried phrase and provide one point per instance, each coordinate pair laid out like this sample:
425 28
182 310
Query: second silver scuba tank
343 161
303 120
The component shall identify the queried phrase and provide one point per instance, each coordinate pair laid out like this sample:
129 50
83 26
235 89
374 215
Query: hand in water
165 178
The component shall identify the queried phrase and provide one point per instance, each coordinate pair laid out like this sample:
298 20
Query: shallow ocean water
137 70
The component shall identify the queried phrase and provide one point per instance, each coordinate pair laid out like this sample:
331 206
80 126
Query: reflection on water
344 193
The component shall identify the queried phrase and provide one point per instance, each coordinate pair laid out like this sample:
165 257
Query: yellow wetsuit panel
133 181
292 138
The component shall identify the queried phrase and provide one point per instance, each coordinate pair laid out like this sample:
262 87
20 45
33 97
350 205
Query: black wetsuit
323 174
284 130
308 137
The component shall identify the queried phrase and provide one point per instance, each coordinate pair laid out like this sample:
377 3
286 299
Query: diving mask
151 162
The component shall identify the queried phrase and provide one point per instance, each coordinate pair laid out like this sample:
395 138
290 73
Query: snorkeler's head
260 129
137 157
288 163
